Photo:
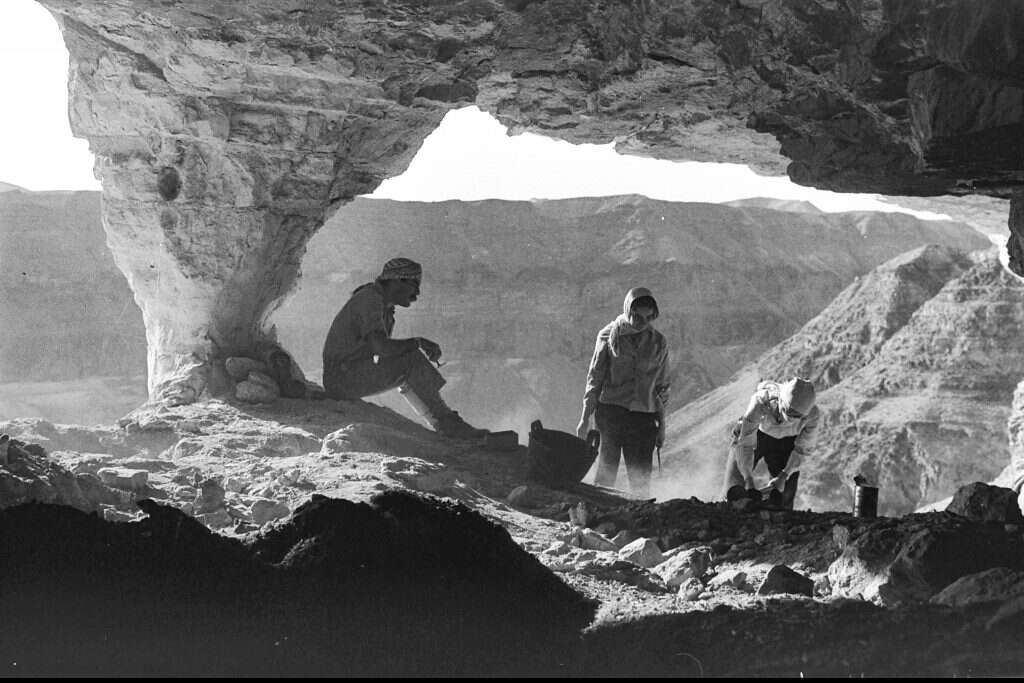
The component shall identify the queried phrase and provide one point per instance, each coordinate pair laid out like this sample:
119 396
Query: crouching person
778 427
361 359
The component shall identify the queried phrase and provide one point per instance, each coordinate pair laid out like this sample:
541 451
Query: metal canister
865 501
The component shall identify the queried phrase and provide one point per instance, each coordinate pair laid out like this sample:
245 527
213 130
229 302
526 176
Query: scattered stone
733 577
822 586
624 538
643 552
992 585
124 479
591 540
690 589
911 563
254 392
693 563
782 579
114 515
672 552
210 498
235 485
558 548
608 529
264 511
216 520
985 503
239 367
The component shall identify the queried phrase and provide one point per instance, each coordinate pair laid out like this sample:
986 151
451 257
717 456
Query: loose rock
984 503
782 579
643 552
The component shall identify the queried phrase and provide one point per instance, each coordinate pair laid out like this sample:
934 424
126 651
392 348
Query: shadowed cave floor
402 555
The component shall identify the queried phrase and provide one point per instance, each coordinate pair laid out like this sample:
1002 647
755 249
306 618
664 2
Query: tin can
865 502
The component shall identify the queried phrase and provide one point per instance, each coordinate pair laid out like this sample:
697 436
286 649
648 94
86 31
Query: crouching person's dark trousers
631 435
775 453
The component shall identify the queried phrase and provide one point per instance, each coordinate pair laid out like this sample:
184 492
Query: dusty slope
922 359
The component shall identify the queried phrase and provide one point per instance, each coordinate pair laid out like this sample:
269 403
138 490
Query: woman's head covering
637 293
621 327
401 268
797 394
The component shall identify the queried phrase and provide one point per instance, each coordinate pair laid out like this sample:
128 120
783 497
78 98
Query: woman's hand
660 441
581 428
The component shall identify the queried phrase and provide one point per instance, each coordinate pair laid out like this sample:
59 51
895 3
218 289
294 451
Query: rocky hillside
66 310
516 291
916 365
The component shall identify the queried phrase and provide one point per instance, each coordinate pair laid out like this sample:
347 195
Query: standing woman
627 388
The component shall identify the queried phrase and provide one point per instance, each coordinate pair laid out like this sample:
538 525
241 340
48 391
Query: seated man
779 427
361 359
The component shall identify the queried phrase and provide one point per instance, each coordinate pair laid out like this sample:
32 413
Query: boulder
998 584
690 589
124 479
210 498
591 540
217 519
643 552
733 578
239 367
985 503
693 563
782 579
265 510
914 561
625 537
256 392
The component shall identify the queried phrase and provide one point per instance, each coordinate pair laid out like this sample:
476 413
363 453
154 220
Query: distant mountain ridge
531 283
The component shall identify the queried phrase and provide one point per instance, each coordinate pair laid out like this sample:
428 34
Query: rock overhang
224 137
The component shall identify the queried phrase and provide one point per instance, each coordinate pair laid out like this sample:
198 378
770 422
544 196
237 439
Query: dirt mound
403 585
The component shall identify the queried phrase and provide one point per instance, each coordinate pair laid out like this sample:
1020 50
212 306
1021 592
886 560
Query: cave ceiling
226 132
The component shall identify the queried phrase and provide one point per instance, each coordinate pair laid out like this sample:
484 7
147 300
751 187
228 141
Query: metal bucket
559 458
865 501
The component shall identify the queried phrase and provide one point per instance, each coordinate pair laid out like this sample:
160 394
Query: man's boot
445 421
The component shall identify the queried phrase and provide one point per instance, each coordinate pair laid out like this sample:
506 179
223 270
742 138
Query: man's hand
581 428
660 440
430 348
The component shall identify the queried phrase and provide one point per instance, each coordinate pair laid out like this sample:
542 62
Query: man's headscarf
401 268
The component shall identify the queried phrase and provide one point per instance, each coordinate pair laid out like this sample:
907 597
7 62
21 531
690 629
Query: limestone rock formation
225 137
918 375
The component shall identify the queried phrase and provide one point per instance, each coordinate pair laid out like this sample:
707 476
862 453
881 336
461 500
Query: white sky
468 157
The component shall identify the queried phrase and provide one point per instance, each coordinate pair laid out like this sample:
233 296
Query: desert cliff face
919 362
225 138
